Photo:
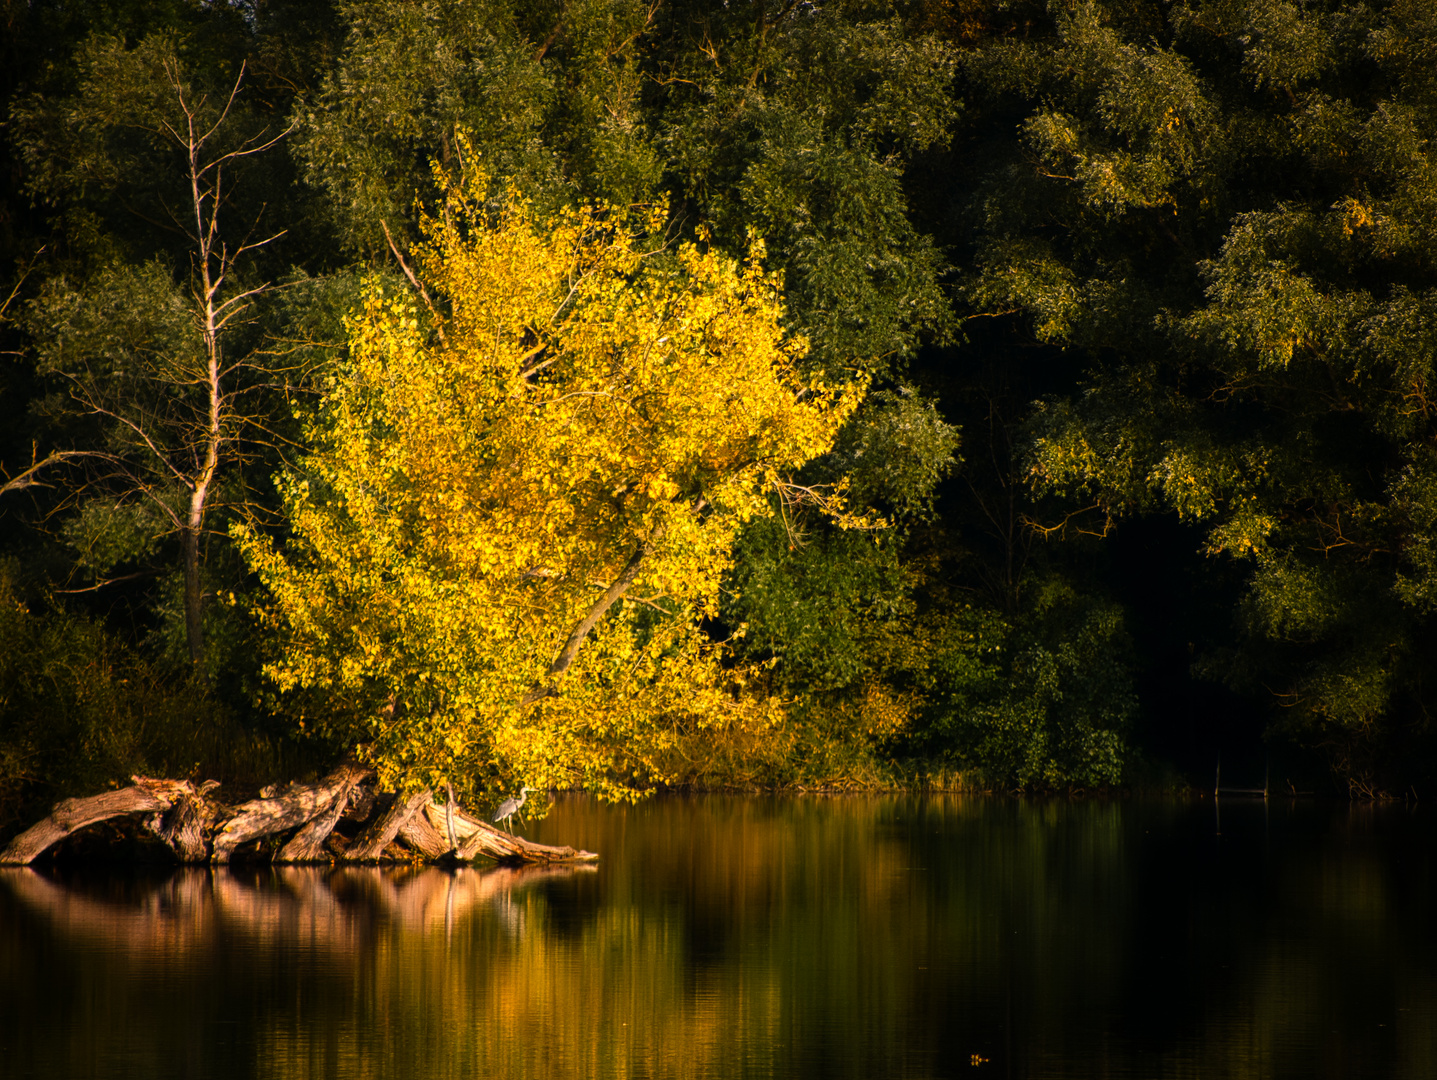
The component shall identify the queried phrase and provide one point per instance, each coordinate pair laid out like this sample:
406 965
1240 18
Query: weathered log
146 796
479 838
182 817
363 800
183 827
299 804
307 845
370 844
423 837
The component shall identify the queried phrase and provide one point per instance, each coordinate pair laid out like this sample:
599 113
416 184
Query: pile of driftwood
342 818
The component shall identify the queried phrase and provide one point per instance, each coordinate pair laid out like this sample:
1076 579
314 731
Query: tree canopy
514 513
1123 310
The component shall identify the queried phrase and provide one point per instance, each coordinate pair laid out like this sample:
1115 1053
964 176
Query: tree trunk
308 843
183 828
610 596
423 837
146 796
194 598
259 818
606 600
370 844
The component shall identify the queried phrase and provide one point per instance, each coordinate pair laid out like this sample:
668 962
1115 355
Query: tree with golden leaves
521 498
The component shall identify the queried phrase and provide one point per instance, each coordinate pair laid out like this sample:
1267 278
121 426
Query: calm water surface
747 937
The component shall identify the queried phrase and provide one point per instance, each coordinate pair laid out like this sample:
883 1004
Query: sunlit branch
414 280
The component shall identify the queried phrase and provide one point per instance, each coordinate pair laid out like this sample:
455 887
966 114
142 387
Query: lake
787 937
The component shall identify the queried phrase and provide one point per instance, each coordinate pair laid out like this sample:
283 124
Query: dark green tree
1221 214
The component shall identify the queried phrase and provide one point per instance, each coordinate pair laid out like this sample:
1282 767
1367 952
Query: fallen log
424 838
146 796
297 805
478 838
183 827
308 844
196 829
369 845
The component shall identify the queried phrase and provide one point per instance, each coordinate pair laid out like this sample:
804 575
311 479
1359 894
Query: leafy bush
1041 701
80 712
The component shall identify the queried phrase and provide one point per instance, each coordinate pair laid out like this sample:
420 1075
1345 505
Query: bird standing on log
509 807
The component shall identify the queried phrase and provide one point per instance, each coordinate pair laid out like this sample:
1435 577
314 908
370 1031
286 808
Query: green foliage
410 79
98 144
148 334
818 605
105 534
796 125
894 453
836 613
81 712
1043 701
799 125
1189 247
128 327
1235 216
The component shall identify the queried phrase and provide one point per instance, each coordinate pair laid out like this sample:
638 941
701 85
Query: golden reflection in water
730 932
299 906
758 937
416 972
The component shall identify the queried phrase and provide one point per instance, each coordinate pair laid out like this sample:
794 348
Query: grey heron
509 807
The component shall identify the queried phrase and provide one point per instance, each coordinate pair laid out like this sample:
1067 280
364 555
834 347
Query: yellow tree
516 515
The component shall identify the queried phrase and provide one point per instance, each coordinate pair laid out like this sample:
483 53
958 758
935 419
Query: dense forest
1084 439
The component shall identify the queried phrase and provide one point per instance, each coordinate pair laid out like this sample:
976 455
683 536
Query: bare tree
150 360
214 263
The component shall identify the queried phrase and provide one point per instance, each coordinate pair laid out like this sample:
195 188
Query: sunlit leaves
591 406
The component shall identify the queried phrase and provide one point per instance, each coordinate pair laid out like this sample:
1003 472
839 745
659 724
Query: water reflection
721 937
332 910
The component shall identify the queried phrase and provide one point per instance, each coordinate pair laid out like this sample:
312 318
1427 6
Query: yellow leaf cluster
591 402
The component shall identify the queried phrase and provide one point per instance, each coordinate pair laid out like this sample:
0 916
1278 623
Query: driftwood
478 838
298 805
183 827
198 829
308 843
145 797
369 845
424 838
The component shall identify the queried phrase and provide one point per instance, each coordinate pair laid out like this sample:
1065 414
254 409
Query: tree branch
413 280
27 478
570 652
